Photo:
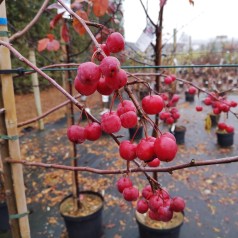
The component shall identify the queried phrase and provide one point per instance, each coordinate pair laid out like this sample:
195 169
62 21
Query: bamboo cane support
36 90
11 127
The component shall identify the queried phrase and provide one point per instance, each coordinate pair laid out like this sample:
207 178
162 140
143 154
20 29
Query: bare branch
191 164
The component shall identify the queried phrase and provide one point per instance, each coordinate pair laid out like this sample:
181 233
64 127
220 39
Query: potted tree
225 134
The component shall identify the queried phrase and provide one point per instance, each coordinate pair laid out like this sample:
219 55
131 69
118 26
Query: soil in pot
225 139
157 229
87 221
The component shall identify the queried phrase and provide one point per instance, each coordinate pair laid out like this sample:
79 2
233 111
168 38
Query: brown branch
170 169
20 124
28 26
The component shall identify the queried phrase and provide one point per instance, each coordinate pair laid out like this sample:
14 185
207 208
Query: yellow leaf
208 123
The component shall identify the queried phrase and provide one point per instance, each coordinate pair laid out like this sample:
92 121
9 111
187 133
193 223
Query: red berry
103 88
84 89
175 98
165 148
173 77
168 80
93 131
169 120
207 101
155 202
129 119
165 214
169 135
115 42
110 66
229 129
130 194
164 96
125 106
216 110
192 90
177 204
199 108
152 104
222 125
233 104
123 183
127 150
142 206
118 80
147 192
88 73
154 163
153 215
110 122
145 149
76 134
225 108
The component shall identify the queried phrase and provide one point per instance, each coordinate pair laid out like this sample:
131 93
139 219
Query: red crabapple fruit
110 122
145 149
142 206
115 42
177 204
122 183
129 119
165 148
88 73
93 131
127 150
130 194
154 163
192 90
110 66
125 106
152 104
76 134
84 89
103 88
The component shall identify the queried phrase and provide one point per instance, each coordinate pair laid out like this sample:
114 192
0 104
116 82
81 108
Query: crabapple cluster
219 104
157 203
105 77
150 149
224 127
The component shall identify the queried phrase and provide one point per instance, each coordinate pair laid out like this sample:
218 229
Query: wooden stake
11 127
36 90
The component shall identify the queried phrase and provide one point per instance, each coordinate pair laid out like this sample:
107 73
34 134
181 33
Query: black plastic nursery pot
189 97
214 119
4 217
138 135
225 139
159 229
179 134
87 226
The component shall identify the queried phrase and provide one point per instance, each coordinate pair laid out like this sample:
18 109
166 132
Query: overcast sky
205 20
